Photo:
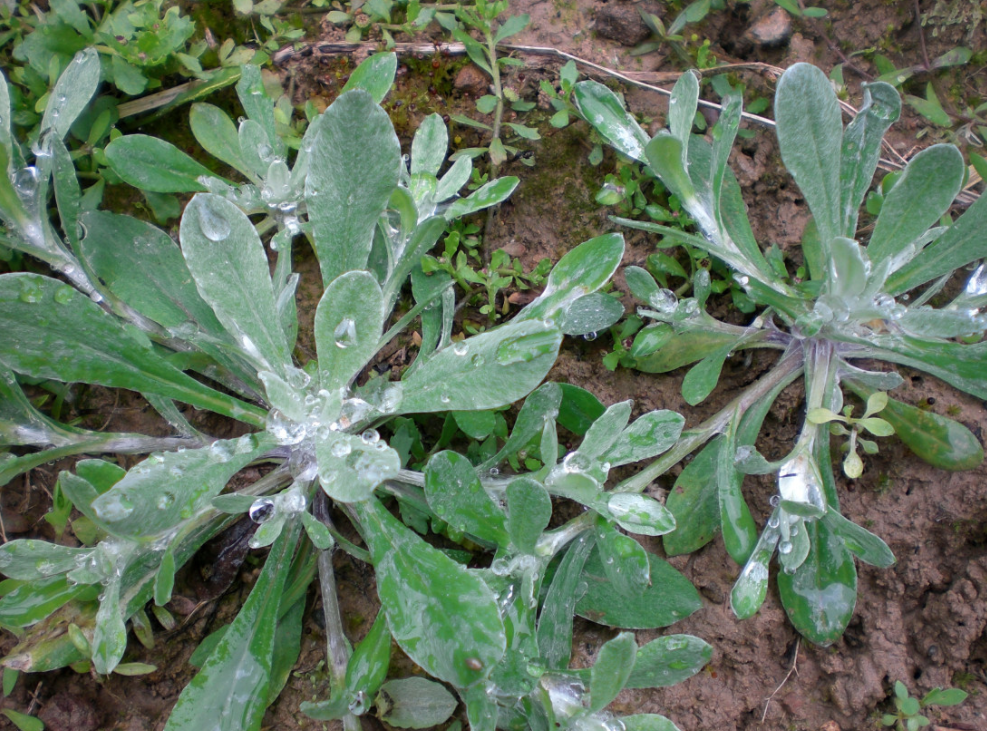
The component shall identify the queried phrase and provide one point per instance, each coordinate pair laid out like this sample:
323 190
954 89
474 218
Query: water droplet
775 501
30 292
477 360
575 462
345 333
794 529
212 223
165 500
95 296
341 448
391 399
297 378
589 337
884 301
370 436
262 510
113 507
283 429
493 472
26 182
63 294
742 280
664 300
785 547
460 348
773 521
444 398
358 706
220 451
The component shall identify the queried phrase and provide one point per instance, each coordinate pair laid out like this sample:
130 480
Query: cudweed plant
862 299
133 310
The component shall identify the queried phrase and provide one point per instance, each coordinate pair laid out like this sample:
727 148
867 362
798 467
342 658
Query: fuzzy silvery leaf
490 194
255 148
155 165
354 164
605 430
215 131
258 105
624 560
664 155
810 135
110 634
27 559
604 111
555 619
648 436
751 587
226 258
375 75
429 146
349 321
455 494
938 440
169 487
647 722
682 110
30 603
612 668
529 509
861 542
351 466
591 313
455 178
540 407
485 371
72 93
640 514
669 660
5 115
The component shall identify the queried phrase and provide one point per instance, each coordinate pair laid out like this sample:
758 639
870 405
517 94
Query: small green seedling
907 716
853 466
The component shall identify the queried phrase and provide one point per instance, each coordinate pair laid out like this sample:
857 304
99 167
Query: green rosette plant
206 325
865 297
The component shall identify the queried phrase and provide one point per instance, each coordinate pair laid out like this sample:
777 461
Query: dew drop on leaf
63 294
114 508
460 348
345 333
262 510
212 223
341 449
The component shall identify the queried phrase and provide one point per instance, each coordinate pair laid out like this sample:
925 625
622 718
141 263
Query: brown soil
922 621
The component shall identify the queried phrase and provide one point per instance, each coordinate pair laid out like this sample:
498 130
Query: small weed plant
206 324
861 300
907 716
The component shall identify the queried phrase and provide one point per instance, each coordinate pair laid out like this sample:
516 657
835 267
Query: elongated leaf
28 559
72 93
938 440
454 492
648 436
701 379
429 146
367 668
67 192
664 155
604 111
694 502
230 692
669 660
227 260
819 597
925 190
34 601
349 321
110 634
810 135
862 149
141 265
861 542
751 587
727 127
258 105
682 110
215 131
739 531
555 620
960 365
354 164
444 617
415 703
541 405
155 165
647 722
53 331
611 670
483 372
682 349
581 271
670 597
167 487
529 508
490 194
5 138
961 244
605 430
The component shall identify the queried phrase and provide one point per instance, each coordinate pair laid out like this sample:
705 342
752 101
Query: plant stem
495 135
787 367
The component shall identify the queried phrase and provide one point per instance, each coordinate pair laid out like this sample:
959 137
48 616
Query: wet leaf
669 660
648 436
454 492
670 597
529 508
349 321
640 514
490 194
32 602
611 670
591 313
938 440
258 105
605 430
155 165
415 703
367 667
555 620
820 596
578 409
606 114
215 131
72 93
647 722
694 502
751 587
375 75
429 146
861 542
625 562
231 688
351 466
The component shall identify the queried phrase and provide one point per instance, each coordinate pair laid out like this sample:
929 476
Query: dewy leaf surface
454 492
483 372
51 330
227 260
444 617
603 110
155 165
810 135
348 324
72 93
230 692
354 164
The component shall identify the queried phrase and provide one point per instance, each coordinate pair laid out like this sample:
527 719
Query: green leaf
948 697
415 703
820 595
144 267
591 313
257 104
701 379
486 371
670 597
227 259
581 271
529 509
375 75
23 721
452 628
513 25
669 660
72 93
605 430
355 160
34 601
606 114
349 321
923 193
54 331
961 244
231 688
736 523
490 194
930 107
861 149
624 560
810 136
664 156
540 406
168 487
474 50
694 503
68 195
751 587
351 466
475 424
647 722
555 619
578 409
429 146
215 131
486 104
367 667
861 542
940 441
682 110
454 492
152 164
611 670
640 514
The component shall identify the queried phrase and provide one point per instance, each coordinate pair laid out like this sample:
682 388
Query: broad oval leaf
349 321
375 75
694 503
606 114
669 660
351 466
72 93
591 313
529 509
415 703
611 670
648 436
454 492
215 131
938 440
640 514
429 146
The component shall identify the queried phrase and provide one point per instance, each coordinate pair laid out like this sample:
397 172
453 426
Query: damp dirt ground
922 621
